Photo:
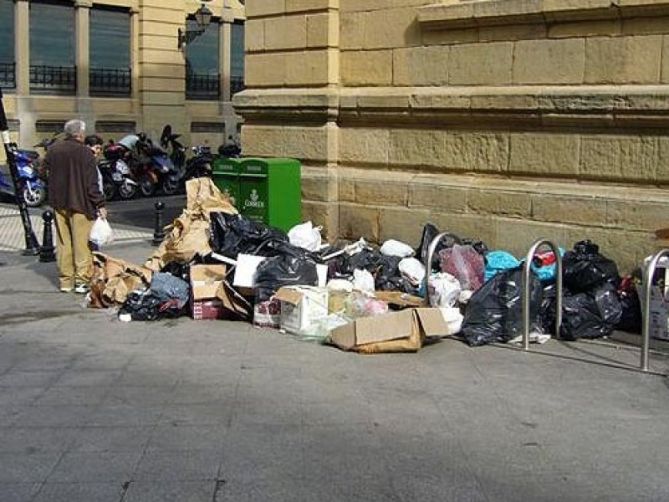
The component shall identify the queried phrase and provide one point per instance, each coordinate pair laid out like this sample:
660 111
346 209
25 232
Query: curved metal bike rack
645 307
428 263
527 267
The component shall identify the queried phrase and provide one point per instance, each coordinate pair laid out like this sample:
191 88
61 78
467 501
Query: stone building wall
506 120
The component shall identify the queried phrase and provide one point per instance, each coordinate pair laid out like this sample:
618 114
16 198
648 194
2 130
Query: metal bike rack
527 268
428 262
645 307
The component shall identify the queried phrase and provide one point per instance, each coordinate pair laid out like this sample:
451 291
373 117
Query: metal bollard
46 252
159 231
527 278
645 306
428 263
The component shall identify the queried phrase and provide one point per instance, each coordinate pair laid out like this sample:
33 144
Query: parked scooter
33 187
154 168
199 165
117 177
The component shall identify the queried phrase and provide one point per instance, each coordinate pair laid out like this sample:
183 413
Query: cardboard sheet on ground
114 279
188 235
403 331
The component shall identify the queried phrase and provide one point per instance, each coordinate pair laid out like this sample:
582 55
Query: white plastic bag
443 290
396 248
101 233
306 236
453 319
363 280
413 270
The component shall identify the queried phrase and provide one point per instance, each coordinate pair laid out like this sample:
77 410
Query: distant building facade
117 64
502 120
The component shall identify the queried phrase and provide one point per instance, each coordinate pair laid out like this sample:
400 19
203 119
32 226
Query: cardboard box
659 313
302 307
208 310
403 331
205 280
267 314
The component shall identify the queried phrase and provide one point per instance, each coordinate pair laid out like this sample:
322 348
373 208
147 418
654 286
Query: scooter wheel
127 191
109 189
171 187
147 187
34 197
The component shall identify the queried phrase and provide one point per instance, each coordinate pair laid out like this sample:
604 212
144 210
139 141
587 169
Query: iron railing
236 85
110 81
56 79
203 86
8 75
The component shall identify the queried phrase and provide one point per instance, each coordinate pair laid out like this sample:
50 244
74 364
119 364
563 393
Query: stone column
83 46
22 47
225 58
134 53
292 69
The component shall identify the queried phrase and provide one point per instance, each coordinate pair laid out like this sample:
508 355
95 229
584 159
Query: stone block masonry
502 120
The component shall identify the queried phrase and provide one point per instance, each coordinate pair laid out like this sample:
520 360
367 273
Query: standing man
77 200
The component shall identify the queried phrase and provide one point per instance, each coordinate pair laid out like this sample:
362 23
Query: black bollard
159 231
46 252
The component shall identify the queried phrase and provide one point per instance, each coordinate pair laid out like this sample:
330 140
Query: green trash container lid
226 165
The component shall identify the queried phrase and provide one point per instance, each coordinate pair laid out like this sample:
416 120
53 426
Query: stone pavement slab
95 409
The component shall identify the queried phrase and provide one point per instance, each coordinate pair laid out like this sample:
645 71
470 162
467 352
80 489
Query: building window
52 49
7 66
203 78
110 73
237 58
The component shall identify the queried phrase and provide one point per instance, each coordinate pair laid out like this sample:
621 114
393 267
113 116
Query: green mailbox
270 191
225 173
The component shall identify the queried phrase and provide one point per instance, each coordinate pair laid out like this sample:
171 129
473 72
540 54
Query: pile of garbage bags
217 264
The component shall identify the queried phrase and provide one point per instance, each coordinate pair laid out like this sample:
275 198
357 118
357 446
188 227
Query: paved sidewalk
12 237
92 409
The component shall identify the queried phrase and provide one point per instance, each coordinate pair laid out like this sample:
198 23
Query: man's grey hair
74 127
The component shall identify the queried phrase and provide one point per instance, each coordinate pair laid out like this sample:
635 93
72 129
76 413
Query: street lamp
32 245
202 20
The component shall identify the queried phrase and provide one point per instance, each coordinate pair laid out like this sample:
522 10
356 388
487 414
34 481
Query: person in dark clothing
77 200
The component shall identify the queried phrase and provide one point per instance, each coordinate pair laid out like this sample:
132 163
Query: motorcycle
154 168
198 166
116 174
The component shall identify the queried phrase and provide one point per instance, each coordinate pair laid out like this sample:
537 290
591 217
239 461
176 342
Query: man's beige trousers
75 261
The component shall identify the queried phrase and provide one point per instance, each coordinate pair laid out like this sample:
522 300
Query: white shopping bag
101 233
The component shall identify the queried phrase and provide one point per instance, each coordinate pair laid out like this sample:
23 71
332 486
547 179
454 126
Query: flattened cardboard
399 300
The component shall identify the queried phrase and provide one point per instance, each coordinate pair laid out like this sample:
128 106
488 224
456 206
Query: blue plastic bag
498 261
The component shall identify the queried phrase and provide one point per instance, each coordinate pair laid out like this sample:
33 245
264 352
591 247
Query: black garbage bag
231 234
178 269
284 270
592 314
430 231
479 246
630 320
141 306
547 311
585 269
495 311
